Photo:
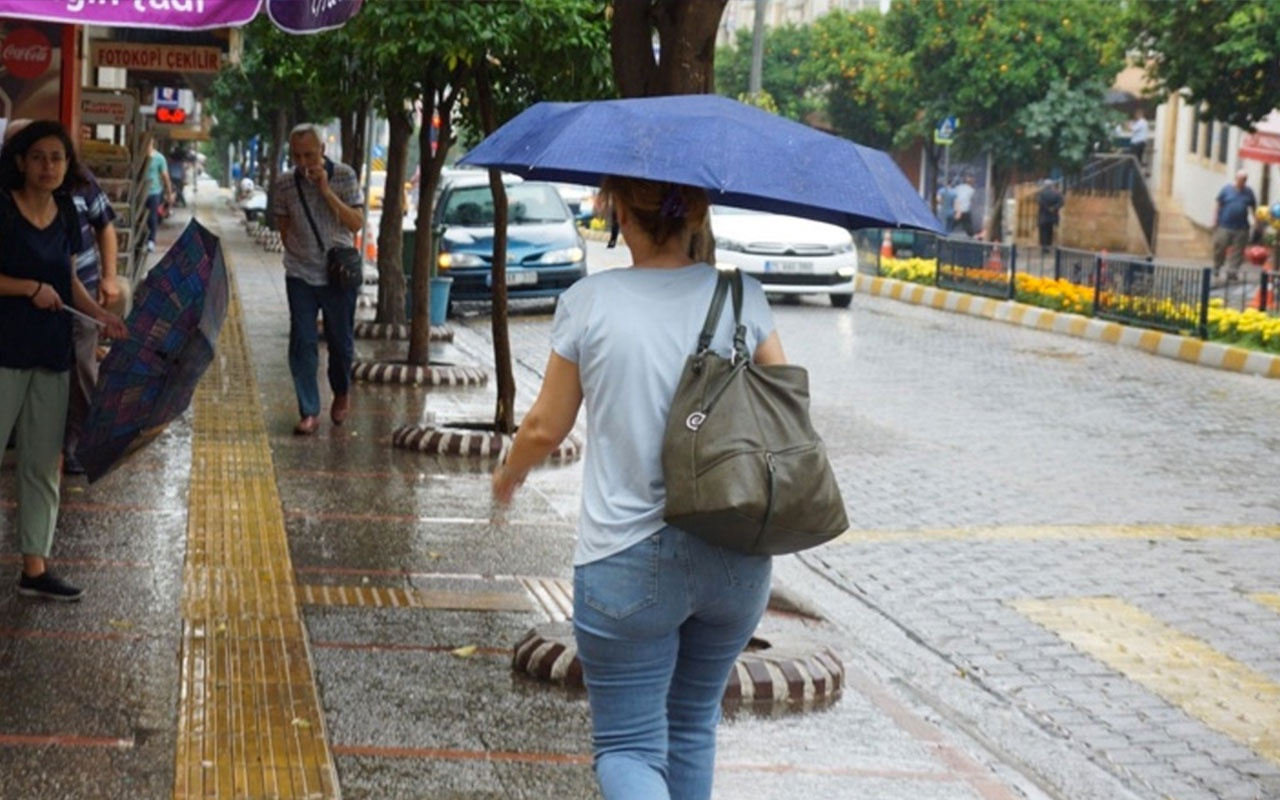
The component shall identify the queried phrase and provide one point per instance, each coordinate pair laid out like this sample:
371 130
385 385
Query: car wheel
841 300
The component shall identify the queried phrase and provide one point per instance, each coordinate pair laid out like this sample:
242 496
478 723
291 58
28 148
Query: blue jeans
339 308
154 201
658 628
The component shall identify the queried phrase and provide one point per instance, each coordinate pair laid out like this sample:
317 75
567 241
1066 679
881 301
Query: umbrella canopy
742 155
147 381
294 16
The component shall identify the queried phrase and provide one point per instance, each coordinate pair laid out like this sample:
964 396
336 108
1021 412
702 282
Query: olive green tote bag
743 466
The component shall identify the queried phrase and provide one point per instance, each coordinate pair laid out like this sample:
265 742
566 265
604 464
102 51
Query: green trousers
36 401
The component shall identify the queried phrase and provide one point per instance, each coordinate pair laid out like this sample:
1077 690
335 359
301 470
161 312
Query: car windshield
529 204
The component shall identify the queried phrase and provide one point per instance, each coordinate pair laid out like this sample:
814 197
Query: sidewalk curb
1168 345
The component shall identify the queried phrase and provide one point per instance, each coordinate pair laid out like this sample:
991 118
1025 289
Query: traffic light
171 116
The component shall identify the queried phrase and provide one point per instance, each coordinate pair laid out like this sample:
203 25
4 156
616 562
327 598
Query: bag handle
297 179
725 280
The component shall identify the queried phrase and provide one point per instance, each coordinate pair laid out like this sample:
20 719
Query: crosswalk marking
1224 694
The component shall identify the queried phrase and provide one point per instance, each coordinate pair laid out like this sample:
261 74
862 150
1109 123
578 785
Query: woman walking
38 239
660 616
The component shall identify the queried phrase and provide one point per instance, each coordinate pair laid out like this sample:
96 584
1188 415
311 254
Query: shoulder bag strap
739 330
713 313
302 198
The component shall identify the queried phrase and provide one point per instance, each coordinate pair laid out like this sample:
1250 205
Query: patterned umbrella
147 381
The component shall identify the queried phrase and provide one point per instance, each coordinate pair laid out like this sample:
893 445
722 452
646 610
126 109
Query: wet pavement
272 616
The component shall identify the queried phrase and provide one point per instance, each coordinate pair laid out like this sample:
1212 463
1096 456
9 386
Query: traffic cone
994 261
886 246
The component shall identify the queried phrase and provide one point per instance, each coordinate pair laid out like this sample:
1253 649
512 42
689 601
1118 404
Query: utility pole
756 80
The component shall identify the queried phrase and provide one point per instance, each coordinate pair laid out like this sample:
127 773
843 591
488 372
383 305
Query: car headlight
725 243
565 255
450 260
843 247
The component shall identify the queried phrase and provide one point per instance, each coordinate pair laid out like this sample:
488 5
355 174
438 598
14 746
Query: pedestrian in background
328 194
159 190
38 242
964 206
1050 201
660 616
947 204
1232 210
1139 133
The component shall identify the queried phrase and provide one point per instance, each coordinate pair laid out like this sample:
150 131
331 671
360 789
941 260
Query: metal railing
1131 289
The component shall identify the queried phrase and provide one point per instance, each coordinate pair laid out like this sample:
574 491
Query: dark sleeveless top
31 337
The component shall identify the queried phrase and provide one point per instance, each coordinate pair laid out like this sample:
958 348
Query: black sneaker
48 586
71 465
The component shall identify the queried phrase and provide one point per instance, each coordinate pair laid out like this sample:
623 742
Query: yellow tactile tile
250 723
388 597
1224 694
1269 600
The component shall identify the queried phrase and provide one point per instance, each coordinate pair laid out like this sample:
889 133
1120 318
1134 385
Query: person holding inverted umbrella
39 235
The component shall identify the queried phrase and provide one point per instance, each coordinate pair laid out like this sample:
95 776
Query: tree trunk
1001 177
685 64
391 228
435 100
504 413
279 141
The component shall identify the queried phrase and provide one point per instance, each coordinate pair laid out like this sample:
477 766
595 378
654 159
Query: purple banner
311 16
170 14
294 16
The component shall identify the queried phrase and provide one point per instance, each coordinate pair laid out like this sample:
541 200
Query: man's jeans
659 627
339 308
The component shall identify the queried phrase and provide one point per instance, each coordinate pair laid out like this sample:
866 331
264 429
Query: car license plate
519 277
788 266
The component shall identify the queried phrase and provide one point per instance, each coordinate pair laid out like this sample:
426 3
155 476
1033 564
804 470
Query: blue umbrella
742 155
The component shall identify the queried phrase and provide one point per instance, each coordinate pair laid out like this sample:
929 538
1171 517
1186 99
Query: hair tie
673 205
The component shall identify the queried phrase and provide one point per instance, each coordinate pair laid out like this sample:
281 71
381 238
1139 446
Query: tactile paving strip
250 723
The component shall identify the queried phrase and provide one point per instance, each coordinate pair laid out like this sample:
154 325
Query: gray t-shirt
304 257
629 331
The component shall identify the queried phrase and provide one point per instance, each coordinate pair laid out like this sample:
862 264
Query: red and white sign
26 53
156 57
106 108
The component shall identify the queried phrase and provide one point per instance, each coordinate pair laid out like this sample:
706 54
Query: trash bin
439 286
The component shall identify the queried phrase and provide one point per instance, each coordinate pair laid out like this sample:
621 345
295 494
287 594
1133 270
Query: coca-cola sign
26 53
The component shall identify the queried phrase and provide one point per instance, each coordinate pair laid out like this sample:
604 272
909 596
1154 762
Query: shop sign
156 57
106 108
26 53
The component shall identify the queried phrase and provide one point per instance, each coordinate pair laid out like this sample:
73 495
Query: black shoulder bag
743 467
343 264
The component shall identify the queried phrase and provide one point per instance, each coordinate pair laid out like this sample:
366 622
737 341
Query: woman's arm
86 304
543 428
770 351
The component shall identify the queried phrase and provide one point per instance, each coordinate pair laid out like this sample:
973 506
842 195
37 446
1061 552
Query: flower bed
1250 328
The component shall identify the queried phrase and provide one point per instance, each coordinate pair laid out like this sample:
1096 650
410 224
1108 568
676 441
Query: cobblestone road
1087 532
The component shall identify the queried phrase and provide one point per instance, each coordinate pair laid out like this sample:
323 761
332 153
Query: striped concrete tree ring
396 332
479 439
779 669
411 375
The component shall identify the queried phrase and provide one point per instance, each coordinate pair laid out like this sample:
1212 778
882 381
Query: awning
294 16
1264 143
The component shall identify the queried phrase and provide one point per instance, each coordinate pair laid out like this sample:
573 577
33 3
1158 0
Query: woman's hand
113 326
505 482
46 298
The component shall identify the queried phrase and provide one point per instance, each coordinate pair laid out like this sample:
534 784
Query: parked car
545 252
789 255
580 199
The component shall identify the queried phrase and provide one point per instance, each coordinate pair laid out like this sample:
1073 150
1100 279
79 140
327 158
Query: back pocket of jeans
624 583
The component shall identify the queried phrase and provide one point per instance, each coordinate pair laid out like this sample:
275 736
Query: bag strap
713 313
302 197
725 281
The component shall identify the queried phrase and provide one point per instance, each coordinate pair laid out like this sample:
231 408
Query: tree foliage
786 55
1225 54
